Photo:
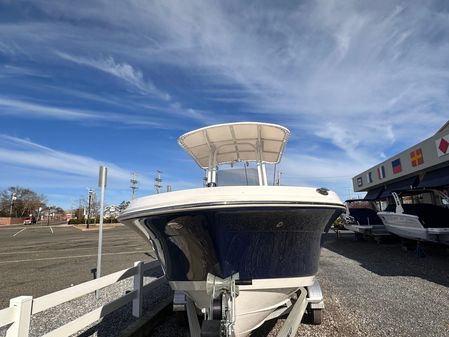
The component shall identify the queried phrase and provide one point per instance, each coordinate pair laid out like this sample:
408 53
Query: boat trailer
220 317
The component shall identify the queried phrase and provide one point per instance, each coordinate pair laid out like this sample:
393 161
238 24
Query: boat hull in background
410 227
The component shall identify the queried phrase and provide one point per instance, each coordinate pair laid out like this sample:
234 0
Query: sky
115 83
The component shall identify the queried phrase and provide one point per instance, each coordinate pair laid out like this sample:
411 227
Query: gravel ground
111 325
380 290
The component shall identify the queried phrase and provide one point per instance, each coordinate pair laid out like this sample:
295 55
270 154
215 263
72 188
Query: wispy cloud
24 152
36 166
25 109
123 71
352 65
18 107
326 171
26 163
135 79
9 71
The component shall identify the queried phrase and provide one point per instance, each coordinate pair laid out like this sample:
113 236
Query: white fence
21 308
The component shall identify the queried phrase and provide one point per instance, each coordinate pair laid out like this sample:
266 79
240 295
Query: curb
144 325
94 227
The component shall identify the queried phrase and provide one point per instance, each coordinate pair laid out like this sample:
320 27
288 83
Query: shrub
76 221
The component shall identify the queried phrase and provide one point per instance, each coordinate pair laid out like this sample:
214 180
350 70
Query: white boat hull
409 227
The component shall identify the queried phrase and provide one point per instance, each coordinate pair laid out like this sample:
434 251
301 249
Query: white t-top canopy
233 142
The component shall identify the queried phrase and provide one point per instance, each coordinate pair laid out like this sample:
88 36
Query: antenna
134 184
278 181
158 182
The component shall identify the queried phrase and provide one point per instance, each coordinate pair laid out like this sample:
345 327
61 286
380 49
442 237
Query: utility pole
89 201
134 184
278 182
158 182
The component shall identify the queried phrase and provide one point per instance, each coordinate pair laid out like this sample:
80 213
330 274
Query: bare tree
20 202
94 206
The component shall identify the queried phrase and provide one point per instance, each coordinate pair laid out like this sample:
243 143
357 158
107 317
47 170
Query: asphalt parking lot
37 260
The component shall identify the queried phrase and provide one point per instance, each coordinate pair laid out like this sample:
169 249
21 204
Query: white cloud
62 167
23 152
67 175
9 71
124 71
19 108
135 79
334 172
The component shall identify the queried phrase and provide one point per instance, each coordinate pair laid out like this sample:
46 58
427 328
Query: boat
420 215
239 253
362 219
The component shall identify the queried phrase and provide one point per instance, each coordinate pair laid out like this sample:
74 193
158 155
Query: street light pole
39 213
89 199
13 197
102 184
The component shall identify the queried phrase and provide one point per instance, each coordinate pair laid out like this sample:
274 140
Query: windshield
237 177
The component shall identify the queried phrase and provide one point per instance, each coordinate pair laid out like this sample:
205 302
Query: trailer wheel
316 315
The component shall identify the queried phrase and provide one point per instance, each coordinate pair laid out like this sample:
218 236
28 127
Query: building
424 165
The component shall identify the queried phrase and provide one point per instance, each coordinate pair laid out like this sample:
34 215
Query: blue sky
85 83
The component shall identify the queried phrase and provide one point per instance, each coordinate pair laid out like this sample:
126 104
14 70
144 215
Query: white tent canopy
234 142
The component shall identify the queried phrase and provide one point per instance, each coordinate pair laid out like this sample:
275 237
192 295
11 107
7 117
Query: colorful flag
359 181
442 145
381 172
416 157
369 177
396 165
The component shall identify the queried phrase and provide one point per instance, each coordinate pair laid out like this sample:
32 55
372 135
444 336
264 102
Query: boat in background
239 253
421 215
362 219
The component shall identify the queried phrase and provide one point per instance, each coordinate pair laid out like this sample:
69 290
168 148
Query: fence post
138 287
21 326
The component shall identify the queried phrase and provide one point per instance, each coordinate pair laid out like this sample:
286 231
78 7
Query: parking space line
45 251
73 257
56 250
19 232
51 228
